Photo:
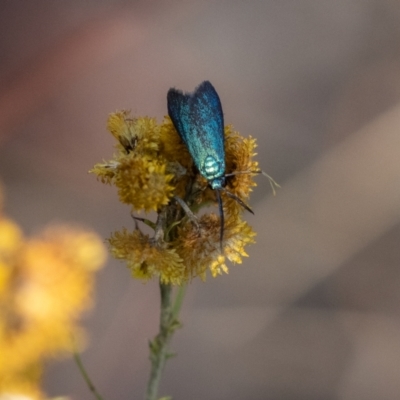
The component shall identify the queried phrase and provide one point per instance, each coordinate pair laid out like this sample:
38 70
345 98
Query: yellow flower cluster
151 169
138 170
45 284
146 258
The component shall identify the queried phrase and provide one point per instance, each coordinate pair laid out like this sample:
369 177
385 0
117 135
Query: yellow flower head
173 147
139 170
180 162
239 158
143 183
134 134
200 247
145 258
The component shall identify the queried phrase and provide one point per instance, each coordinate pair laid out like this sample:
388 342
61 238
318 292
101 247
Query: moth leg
146 221
188 212
238 200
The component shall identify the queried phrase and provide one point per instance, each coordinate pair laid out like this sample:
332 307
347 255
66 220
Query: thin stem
85 375
159 346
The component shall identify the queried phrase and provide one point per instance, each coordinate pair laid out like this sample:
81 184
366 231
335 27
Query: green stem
178 301
159 346
85 375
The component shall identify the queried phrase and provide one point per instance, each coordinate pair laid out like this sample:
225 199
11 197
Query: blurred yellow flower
10 239
45 284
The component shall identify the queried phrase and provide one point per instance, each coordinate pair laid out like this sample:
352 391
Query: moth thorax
217 183
212 168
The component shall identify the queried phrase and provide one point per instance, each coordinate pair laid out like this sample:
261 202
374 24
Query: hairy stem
159 346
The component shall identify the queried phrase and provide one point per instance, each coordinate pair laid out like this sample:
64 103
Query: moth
199 121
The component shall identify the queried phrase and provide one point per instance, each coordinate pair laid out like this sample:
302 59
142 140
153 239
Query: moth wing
199 120
178 110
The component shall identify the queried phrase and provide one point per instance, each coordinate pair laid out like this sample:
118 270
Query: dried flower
200 249
145 258
152 167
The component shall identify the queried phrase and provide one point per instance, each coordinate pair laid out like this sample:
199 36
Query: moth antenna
272 181
221 214
239 200
258 171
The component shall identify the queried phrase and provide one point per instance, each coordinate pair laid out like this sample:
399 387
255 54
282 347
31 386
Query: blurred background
314 312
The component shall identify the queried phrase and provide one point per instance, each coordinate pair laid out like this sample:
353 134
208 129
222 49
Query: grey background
313 313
